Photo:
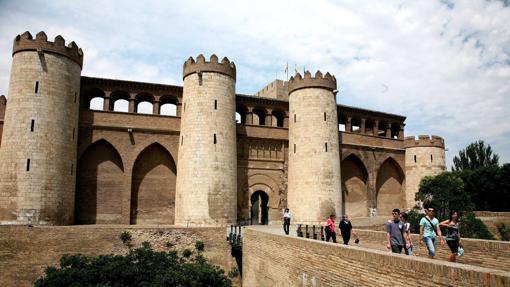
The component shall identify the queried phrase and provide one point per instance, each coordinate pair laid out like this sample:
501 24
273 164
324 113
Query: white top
286 215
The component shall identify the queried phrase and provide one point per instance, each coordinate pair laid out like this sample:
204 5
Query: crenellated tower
206 192
424 156
39 141
314 183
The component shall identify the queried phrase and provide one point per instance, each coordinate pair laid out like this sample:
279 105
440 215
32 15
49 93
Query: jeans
430 242
396 248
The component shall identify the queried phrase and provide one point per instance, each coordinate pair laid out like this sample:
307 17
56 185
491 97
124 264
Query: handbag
460 251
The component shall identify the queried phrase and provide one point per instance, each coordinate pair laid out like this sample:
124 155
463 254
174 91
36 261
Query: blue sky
443 64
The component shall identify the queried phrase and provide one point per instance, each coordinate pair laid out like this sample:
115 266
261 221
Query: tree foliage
140 267
488 187
474 156
444 192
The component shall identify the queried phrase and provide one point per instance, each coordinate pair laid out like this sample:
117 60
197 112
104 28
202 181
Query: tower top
200 65
424 141
326 82
25 42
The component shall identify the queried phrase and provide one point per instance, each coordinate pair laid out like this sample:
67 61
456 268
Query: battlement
200 65
326 82
25 42
424 141
277 89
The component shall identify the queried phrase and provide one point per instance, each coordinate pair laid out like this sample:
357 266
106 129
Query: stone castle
221 158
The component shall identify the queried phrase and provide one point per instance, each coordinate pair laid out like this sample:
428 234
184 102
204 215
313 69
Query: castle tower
424 156
314 184
206 192
39 141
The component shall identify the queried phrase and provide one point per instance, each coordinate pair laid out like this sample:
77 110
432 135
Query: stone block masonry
25 252
278 260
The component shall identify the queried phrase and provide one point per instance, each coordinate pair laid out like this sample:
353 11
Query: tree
444 192
140 267
474 156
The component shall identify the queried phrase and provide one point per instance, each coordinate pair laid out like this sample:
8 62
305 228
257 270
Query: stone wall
25 252
38 155
206 192
278 260
484 253
314 183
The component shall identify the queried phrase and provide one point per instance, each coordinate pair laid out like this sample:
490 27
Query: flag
287 67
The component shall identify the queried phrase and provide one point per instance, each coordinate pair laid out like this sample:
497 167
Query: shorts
454 245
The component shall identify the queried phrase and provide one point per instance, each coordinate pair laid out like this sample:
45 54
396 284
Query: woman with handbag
330 228
453 235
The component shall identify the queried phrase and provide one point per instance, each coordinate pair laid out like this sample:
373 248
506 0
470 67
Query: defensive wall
273 259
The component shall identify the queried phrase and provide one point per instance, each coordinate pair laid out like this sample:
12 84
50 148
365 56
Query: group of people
399 232
345 227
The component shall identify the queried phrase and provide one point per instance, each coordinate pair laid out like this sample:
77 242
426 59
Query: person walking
286 220
452 234
408 247
330 228
395 233
429 231
345 227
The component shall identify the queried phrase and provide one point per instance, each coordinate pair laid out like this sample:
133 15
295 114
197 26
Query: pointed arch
153 186
389 187
354 186
99 185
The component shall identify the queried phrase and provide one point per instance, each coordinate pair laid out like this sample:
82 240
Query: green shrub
414 217
126 237
187 253
169 244
503 231
472 227
140 267
199 245
234 272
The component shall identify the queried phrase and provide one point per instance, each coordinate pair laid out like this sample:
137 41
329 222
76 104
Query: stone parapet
319 81
25 42
424 141
200 65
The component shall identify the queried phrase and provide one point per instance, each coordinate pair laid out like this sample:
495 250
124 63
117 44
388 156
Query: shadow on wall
99 185
153 187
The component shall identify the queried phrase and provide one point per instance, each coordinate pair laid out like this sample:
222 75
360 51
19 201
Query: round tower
314 183
38 153
206 191
424 156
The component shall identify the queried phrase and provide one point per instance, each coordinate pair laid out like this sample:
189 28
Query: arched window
96 104
168 105
121 105
144 107
278 119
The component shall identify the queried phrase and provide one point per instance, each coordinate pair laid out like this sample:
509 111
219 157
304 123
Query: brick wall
24 251
277 260
483 253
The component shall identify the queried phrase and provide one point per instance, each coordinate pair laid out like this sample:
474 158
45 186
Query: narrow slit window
326 146
214 138
215 104
75 95
294 148
324 116
184 107
182 140
294 117
36 90
72 167
32 125
431 158
415 158
74 130
199 79
28 164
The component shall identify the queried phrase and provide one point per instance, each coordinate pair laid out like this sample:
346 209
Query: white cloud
446 68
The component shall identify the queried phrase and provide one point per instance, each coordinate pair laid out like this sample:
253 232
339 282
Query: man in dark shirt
395 229
345 229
